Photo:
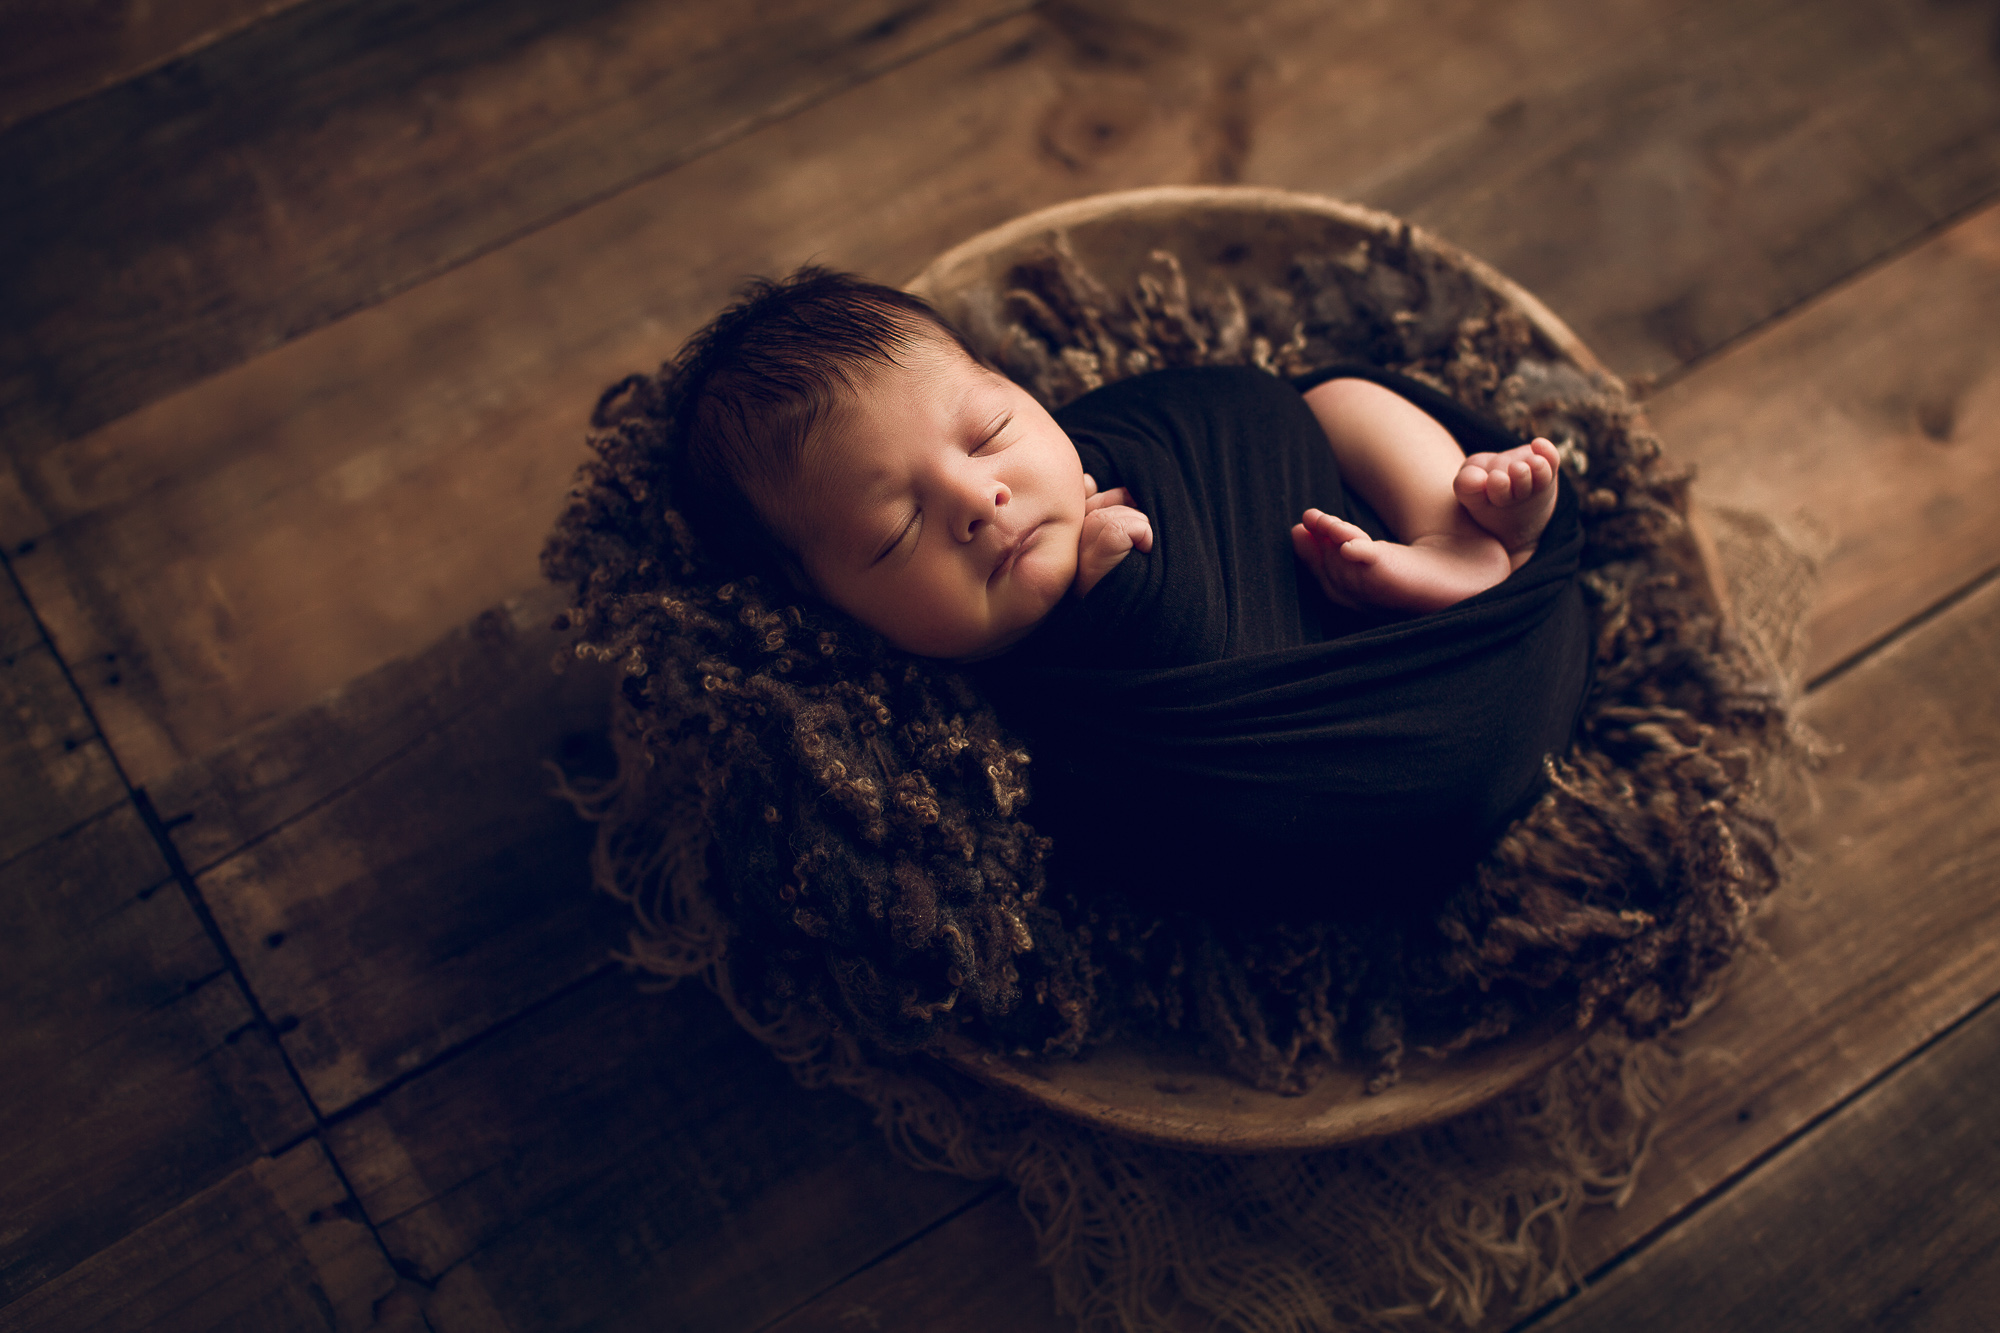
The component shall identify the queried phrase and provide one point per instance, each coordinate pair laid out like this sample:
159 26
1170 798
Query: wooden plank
136 1072
409 879
1887 1216
1734 163
186 220
1872 418
237 550
625 1160
54 51
976 1273
55 771
500 661
277 1245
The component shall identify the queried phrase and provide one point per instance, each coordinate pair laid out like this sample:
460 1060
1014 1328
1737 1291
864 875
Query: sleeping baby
1209 728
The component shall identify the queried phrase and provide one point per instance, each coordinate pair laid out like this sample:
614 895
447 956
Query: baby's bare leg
1398 458
1392 454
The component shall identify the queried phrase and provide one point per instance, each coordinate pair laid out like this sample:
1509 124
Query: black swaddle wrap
1210 731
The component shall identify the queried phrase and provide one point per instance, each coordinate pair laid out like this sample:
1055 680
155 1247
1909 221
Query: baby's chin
999 640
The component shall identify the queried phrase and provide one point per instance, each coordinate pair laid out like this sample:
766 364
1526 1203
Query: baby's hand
1111 529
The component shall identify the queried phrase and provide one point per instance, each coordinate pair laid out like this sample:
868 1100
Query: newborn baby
840 436
942 506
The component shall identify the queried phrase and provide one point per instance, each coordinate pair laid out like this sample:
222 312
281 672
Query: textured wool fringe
1443 1227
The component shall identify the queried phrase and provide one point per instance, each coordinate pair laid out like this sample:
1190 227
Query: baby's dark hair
751 386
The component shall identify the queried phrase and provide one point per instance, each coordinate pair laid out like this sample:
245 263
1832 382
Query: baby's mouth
1012 552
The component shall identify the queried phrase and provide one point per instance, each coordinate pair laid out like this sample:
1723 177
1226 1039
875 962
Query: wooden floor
310 1020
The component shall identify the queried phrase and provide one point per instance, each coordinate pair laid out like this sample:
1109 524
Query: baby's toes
1472 479
1326 528
1522 474
1350 540
1500 486
1541 472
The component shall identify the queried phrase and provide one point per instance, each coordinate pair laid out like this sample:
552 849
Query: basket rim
1167 199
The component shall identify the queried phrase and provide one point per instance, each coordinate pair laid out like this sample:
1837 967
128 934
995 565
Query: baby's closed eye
904 531
994 437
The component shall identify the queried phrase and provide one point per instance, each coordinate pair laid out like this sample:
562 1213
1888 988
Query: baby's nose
983 502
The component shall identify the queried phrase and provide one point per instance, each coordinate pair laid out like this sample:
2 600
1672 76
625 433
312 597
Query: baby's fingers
1109 535
1309 551
1096 499
1134 526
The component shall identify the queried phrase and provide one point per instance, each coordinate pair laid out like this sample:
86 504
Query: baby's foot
1511 494
1355 570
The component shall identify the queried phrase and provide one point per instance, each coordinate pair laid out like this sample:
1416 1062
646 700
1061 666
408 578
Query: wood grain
136 1072
975 1274
168 252
230 553
1886 1216
55 771
1724 166
54 51
277 1245
1869 420
500 660
315 163
409 880
623 1160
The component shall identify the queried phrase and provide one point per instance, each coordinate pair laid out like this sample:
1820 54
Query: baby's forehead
937 376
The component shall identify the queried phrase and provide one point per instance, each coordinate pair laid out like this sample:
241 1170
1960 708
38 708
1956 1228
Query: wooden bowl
1168 1095
1173 1096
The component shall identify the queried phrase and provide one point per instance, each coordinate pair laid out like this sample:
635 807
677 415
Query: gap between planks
1914 1154
56 51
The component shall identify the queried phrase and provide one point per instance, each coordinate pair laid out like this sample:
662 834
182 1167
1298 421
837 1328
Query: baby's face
942 508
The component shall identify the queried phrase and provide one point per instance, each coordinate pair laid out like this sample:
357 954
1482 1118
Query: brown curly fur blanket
868 825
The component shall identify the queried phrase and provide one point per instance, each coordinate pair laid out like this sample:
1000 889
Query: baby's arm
1111 529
